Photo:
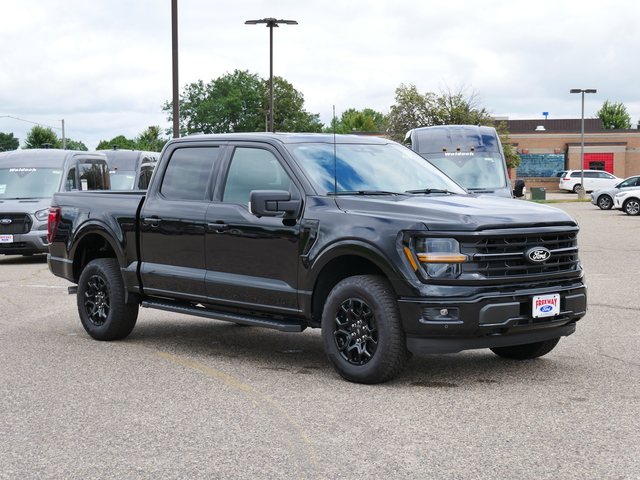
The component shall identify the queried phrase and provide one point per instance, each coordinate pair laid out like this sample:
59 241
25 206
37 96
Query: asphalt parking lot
189 398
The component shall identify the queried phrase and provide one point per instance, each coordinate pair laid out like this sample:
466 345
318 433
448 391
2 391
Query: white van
571 180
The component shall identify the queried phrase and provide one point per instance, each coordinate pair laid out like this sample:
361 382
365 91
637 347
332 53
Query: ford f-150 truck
357 236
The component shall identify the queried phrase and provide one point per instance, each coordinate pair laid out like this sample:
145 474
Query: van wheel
528 351
577 187
362 331
101 306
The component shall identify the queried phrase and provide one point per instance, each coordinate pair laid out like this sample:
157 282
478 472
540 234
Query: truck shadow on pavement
22 259
227 345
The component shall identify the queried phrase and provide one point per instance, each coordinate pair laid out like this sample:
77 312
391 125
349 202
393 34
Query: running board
281 325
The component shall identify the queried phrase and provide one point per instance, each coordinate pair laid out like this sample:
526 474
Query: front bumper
26 243
485 321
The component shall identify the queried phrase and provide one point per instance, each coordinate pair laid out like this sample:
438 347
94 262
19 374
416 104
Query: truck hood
456 212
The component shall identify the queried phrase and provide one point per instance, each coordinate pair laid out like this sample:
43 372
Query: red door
599 161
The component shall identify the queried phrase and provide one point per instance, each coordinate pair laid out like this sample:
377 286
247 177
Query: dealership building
546 147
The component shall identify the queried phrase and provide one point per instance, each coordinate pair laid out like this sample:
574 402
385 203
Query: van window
93 175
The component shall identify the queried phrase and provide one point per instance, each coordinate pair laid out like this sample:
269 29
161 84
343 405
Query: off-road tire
362 330
528 351
101 301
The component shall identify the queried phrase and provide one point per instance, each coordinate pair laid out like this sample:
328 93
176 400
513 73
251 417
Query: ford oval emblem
538 254
6 221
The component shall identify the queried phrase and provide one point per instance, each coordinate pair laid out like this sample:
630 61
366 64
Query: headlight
440 257
42 214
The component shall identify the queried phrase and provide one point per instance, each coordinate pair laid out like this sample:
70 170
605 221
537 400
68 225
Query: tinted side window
93 175
253 169
591 175
187 175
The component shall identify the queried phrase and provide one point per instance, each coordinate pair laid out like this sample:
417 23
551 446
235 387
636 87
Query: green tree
366 120
150 140
411 110
39 136
120 142
460 107
510 153
290 115
239 102
451 107
75 145
8 142
614 116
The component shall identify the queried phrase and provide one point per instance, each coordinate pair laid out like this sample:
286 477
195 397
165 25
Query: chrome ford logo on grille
5 221
537 254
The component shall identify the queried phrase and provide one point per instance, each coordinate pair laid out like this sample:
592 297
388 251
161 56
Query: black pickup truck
358 236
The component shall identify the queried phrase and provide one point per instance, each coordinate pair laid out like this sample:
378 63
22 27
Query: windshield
472 170
122 179
368 168
24 182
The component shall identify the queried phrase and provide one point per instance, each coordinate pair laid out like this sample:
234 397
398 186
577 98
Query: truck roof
287 138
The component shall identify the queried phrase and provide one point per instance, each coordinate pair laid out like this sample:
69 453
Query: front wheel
605 202
101 301
528 351
362 331
632 207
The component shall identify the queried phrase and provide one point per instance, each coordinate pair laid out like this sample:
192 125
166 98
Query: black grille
504 256
14 223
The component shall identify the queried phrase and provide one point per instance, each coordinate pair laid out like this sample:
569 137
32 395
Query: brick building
549 146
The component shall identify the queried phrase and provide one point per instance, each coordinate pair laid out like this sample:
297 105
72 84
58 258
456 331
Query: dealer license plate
546 305
6 238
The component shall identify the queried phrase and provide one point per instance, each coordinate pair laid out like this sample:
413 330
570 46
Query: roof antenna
335 156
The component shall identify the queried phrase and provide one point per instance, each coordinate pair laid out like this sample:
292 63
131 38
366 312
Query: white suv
593 179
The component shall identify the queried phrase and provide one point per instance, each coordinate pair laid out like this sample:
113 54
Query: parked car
603 197
571 180
628 201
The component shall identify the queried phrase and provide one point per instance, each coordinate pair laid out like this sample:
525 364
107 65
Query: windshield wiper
427 191
364 192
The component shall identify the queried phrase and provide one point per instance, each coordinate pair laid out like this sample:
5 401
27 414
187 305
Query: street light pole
271 23
582 92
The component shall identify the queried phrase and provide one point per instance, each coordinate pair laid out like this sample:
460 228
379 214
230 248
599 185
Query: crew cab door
172 224
252 261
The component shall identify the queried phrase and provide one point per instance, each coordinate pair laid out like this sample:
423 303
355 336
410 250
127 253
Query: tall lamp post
582 91
271 22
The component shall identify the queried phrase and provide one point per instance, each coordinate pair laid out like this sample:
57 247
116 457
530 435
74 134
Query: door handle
152 221
217 227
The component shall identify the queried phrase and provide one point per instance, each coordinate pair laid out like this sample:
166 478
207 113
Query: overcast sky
104 66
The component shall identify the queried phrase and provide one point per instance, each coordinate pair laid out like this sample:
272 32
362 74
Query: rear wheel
605 202
362 331
577 187
632 207
528 351
101 301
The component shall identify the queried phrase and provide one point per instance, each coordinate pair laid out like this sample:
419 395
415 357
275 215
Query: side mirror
272 203
519 189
